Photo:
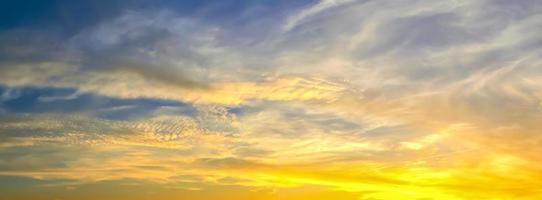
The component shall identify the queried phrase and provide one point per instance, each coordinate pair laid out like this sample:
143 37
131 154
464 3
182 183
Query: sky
270 99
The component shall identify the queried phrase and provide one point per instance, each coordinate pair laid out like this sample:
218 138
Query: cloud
157 46
380 98
298 18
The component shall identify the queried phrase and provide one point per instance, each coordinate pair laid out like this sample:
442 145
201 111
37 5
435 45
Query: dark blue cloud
68 100
18 13
69 16
72 16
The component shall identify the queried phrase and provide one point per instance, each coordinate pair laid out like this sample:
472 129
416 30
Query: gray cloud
158 46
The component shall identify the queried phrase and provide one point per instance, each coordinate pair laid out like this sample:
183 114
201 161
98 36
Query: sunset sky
271 100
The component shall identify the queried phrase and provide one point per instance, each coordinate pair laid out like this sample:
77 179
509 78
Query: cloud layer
361 99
